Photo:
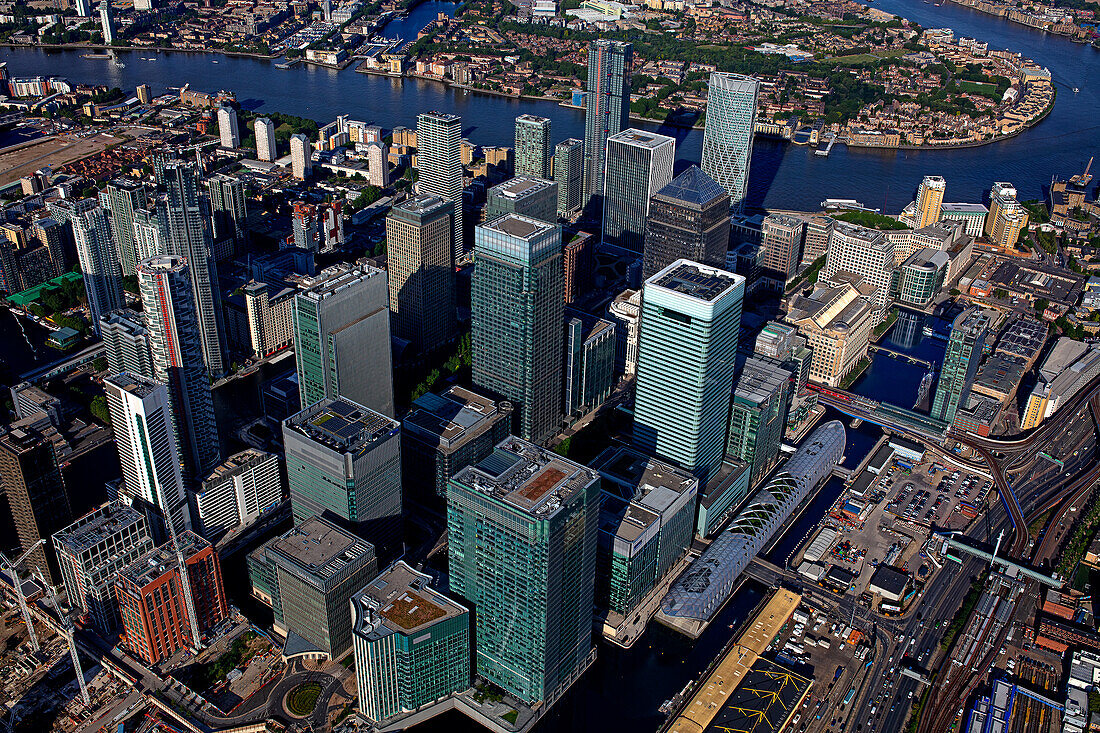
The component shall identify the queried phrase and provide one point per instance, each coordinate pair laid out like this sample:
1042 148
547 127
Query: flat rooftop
335 279
452 418
237 462
321 547
134 384
160 560
403 602
528 477
342 425
641 139
637 475
420 205
518 226
759 380
96 527
702 283
963 208
520 187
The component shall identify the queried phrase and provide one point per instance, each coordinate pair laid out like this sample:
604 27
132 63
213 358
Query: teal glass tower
522 528
960 363
687 348
517 303
758 415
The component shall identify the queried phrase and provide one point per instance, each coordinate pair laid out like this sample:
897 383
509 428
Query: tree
100 364
1041 305
98 408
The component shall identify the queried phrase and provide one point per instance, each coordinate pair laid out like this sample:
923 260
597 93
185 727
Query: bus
849 696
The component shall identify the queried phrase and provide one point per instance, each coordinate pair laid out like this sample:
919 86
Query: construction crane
184 575
12 568
70 636
198 150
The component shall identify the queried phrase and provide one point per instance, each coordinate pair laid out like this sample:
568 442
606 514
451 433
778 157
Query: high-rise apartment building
780 249
960 363
301 157
577 263
36 494
265 140
341 337
344 462
412 643
176 347
308 576
691 317
569 174
184 215
228 130
92 550
126 342
439 164
758 415
150 237
517 303
106 22
638 165
532 147
929 201
607 107
125 196
525 195
688 219
236 493
141 417
589 366
1006 218
155 620
228 212
421 273
95 249
378 165
728 133
521 529
860 251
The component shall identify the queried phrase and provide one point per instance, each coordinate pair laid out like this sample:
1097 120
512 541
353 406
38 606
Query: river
782 175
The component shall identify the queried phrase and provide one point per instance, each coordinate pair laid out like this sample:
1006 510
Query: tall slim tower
522 528
517 306
639 164
342 337
420 264
176 346
184 215
141 417
265 139
95 248
758 415
106 22
439 164
728 131
532 148
228 130
960 363
125 196
687 351
688 219
929 201
607 110
569 174
301 156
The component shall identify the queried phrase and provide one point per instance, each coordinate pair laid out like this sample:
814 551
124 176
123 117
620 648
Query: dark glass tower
689 219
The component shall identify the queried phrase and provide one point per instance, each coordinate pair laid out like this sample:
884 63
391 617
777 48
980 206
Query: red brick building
151 601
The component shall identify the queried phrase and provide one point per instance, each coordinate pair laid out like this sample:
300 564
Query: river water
782 176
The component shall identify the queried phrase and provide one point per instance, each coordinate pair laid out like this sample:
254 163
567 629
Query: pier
824 152
898 355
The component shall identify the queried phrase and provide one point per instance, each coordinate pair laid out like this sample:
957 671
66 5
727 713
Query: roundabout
302 700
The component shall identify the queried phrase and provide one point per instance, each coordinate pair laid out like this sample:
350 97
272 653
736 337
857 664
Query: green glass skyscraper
758 415
517 304
687 348
532 146
522 528
960 363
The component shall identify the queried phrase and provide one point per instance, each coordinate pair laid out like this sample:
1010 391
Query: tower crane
12 568
198 148
70 636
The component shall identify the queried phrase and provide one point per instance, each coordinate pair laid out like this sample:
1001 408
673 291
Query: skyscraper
532 147
342 337
865 252
533 197
521 529
228 210
639 164
126 342
36 494
184 215
960 363
688 219
929 201
439 164
301 156
1006 218
517 305
344 462
728 131
691 316
106 22
569 174
95 249
150 236
758 415
780 249
265 139
175 343
607 105
420 262
141 417
228 130
125 196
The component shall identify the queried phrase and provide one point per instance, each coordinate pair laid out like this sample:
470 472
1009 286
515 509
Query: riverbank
982 7
156 49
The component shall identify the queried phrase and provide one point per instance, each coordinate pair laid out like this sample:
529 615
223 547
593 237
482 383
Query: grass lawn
865 58
977 87
303 698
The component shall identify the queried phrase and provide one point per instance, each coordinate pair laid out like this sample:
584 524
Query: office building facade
688 219
691 316
569 175
638 165
420 269
758 415
517 304
836 322
728 132
228 213
864 252
607 107
589 362
525 195
439 163
780 249
522 528
960 363
532 146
